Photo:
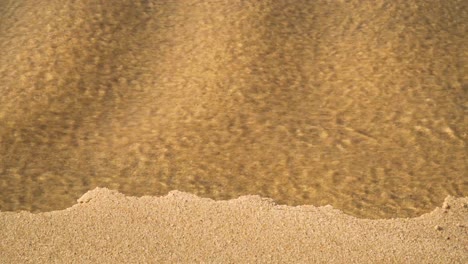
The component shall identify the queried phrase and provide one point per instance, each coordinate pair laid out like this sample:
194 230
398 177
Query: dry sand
108 227
358 104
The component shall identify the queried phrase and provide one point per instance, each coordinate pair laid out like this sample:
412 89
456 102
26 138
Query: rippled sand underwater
357 104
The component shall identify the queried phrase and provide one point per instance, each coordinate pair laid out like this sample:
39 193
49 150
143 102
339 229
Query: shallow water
356 105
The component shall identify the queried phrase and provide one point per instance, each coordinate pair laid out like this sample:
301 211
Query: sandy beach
356 104
108 227
347 118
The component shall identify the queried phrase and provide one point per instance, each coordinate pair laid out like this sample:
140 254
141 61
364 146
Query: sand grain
106 226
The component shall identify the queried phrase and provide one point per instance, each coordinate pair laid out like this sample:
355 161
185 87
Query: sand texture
109 227
358 104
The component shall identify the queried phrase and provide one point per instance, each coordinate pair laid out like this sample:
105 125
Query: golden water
351 103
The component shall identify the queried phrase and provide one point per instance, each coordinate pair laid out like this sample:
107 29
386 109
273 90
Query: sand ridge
106 226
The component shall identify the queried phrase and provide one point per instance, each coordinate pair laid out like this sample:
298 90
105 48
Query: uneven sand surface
108 227
357 104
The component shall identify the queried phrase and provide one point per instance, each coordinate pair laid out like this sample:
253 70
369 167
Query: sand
109 227
357 104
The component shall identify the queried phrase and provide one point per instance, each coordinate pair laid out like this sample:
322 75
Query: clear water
331 102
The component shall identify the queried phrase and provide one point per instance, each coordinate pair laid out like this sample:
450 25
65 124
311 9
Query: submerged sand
108 227
356 104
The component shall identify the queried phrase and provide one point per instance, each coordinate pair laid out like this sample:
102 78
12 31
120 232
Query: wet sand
108 227
360 105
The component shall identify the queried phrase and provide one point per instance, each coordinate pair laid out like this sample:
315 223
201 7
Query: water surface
359 105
